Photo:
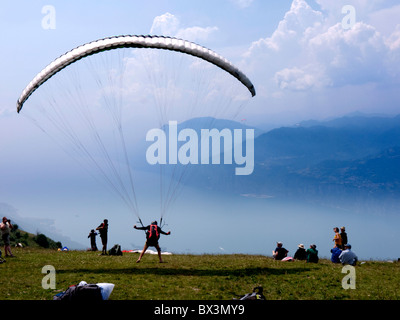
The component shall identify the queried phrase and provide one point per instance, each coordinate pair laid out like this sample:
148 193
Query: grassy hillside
19 237
193 277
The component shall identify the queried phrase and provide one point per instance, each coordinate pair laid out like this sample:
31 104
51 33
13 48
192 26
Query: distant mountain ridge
213 123
353 158
342 139
356 120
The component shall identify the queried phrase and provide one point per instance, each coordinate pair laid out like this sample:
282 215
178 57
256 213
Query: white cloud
169 25
393 41
312 64
363 8
306 51
298 24
304 78
294 78
166 24
196 33
349 56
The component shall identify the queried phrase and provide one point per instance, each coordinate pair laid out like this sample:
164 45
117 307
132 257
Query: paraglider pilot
153 232
92 235
103 230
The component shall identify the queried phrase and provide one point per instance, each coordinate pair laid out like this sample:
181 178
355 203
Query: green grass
193 277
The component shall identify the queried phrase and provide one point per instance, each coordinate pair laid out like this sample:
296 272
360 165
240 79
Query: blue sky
302 61
293 51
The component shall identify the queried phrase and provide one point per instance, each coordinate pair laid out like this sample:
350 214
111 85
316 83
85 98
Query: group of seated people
345 256
311 254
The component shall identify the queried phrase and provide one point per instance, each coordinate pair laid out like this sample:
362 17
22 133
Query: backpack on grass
115 250
257 294
86 292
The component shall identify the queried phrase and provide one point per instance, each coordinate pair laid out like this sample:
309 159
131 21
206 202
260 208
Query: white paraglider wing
103 93
133 41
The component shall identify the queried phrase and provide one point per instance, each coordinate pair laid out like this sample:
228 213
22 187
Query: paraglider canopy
157 42
90 113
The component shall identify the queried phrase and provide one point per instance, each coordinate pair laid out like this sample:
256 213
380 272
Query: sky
314 59
294 51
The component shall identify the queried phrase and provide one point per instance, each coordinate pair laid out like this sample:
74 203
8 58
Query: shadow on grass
190 272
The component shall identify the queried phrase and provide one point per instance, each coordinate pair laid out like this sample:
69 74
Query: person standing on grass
6 228
337 238
153 232
92 235
103 230
343 235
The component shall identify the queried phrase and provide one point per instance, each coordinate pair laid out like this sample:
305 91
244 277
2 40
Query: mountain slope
348 158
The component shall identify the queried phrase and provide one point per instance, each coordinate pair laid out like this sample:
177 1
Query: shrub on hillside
46 242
